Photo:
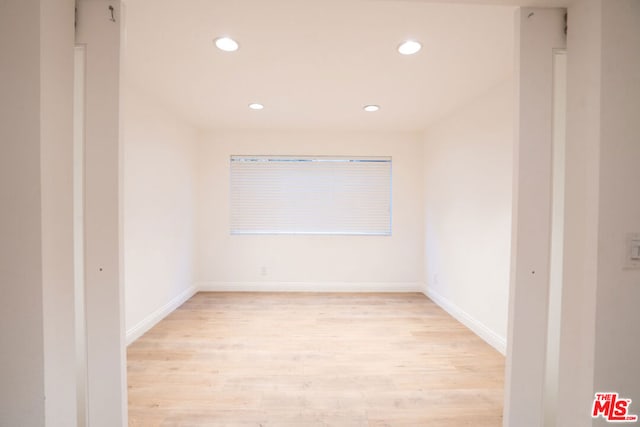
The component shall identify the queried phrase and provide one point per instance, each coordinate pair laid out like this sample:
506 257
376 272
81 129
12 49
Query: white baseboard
479 328
310 286
151 320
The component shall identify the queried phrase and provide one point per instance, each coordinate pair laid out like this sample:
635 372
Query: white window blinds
310 195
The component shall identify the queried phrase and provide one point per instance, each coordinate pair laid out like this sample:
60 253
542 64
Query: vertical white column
21 313
577 338
99 29
36 217
56 159
600 316
78 231
538 32
557 236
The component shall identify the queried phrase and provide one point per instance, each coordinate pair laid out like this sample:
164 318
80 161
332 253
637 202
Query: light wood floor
305 360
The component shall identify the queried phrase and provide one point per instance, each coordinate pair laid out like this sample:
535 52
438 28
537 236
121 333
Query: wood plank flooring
306 360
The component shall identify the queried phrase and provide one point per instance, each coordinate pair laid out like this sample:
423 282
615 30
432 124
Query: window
310 195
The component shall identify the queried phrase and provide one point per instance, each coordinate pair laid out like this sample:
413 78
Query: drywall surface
599 350
103 297
538 33
577 334
21 311
160 177
56 159
310 262
467 194
617 347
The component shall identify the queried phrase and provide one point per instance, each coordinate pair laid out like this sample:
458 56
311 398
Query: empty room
319 213
304 184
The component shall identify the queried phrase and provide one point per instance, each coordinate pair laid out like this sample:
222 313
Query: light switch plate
632 251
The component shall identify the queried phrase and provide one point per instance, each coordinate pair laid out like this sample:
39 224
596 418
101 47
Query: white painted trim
479 328
310 286
151 320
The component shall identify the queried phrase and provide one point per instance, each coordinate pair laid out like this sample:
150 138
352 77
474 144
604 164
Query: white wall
618 297
599 346
36 253
468 167
160 178
577 341
538 33
103 297
21 317
56 159
317 263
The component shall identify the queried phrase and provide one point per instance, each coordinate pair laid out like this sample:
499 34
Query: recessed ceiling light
256 106
371 108
409 47
227 44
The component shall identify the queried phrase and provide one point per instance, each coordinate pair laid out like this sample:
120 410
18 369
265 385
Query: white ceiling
314 64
